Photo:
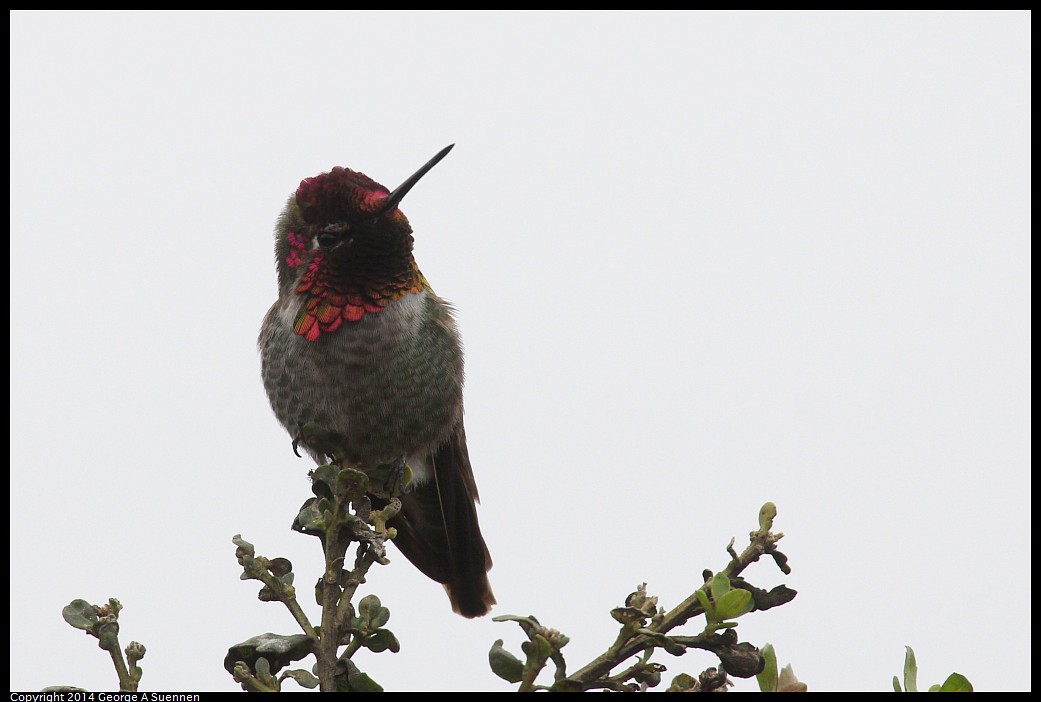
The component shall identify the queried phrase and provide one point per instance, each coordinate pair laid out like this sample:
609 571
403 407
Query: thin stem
761 542
297 611
126 683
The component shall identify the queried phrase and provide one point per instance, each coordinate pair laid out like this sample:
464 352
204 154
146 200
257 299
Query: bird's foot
319 442
400 477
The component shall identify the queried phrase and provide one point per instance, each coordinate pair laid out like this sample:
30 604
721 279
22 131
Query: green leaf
529 624
107 632
80 614
351 482
516 618
733 604
310 520
766 516
768 678
368 604
910 671
371 614
303 678
322 480
246 546
504 664
705 603
896 684
956 682
382 640
278 649
361 682
720 586
626 615
380 617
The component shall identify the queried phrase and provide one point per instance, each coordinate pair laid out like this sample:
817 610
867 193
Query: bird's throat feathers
337 290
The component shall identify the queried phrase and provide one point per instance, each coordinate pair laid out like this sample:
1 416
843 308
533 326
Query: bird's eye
332 234
327 240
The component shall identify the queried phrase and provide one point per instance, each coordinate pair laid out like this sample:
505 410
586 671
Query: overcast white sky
700 261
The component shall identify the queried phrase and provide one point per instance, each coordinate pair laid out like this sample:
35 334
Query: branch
339 514
645 627
761 542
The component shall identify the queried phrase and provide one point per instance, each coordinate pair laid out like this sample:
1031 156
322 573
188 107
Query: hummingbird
358 345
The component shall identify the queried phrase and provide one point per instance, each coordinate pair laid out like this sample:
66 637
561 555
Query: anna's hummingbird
359 346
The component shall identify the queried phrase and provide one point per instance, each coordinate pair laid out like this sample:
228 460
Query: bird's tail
438 530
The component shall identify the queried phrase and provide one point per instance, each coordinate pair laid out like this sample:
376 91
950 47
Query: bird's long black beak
399 192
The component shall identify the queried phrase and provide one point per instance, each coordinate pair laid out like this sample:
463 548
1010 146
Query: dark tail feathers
438 530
